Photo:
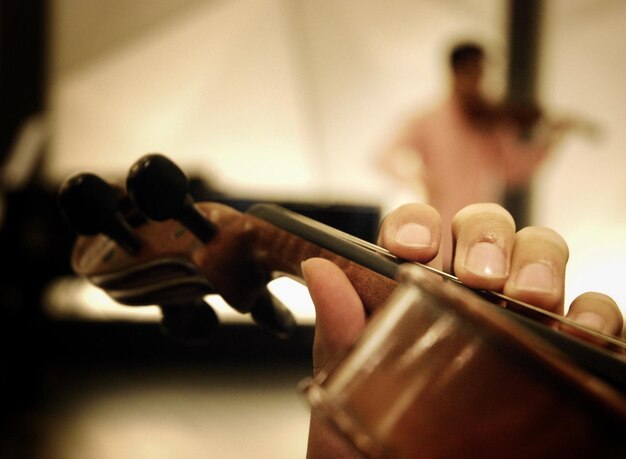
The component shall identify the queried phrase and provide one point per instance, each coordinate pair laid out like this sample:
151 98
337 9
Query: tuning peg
269 312
190 323
161 191
91 206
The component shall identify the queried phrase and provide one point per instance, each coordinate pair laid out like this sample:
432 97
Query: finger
597 311
340 315
484 236
537 273
412 232
339 319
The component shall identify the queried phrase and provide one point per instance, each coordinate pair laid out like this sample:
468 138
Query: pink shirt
464 164
461 163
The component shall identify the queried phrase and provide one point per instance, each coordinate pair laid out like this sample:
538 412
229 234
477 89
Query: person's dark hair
464 53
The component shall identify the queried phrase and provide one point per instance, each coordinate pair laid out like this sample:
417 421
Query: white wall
213 87
582 190
270 96
374 63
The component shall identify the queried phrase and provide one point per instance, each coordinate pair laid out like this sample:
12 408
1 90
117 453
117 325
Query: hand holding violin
528 265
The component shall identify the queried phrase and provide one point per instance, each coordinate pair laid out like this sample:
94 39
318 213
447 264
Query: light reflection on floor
190 413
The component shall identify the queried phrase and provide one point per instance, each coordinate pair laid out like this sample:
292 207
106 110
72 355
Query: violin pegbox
160 190
180 250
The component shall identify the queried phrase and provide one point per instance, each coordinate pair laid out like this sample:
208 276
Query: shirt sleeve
405 154
521 156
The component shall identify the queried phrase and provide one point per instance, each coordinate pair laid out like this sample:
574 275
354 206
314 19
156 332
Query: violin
151 244
528 118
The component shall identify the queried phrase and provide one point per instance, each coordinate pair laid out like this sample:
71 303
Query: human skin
528 265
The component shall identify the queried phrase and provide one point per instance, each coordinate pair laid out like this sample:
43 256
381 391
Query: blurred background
287 101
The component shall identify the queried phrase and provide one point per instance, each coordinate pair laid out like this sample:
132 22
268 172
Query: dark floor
118 390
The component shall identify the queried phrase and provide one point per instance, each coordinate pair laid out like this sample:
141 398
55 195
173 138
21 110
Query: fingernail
486 258
304 267
536 277
413 235
591 320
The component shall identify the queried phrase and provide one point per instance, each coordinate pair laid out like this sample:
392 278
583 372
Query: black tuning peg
189 323
160 190
269 312
91 206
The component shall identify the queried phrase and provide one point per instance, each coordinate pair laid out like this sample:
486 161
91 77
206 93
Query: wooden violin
528 118
165 249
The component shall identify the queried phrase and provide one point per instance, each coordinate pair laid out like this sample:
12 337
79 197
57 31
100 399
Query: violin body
439 373
527 390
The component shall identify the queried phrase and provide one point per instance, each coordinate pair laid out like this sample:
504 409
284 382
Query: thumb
340 315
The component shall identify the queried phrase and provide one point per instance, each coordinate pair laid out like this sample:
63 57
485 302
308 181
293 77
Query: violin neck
282 251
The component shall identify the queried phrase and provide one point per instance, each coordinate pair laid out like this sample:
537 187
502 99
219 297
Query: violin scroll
171 267
269 312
